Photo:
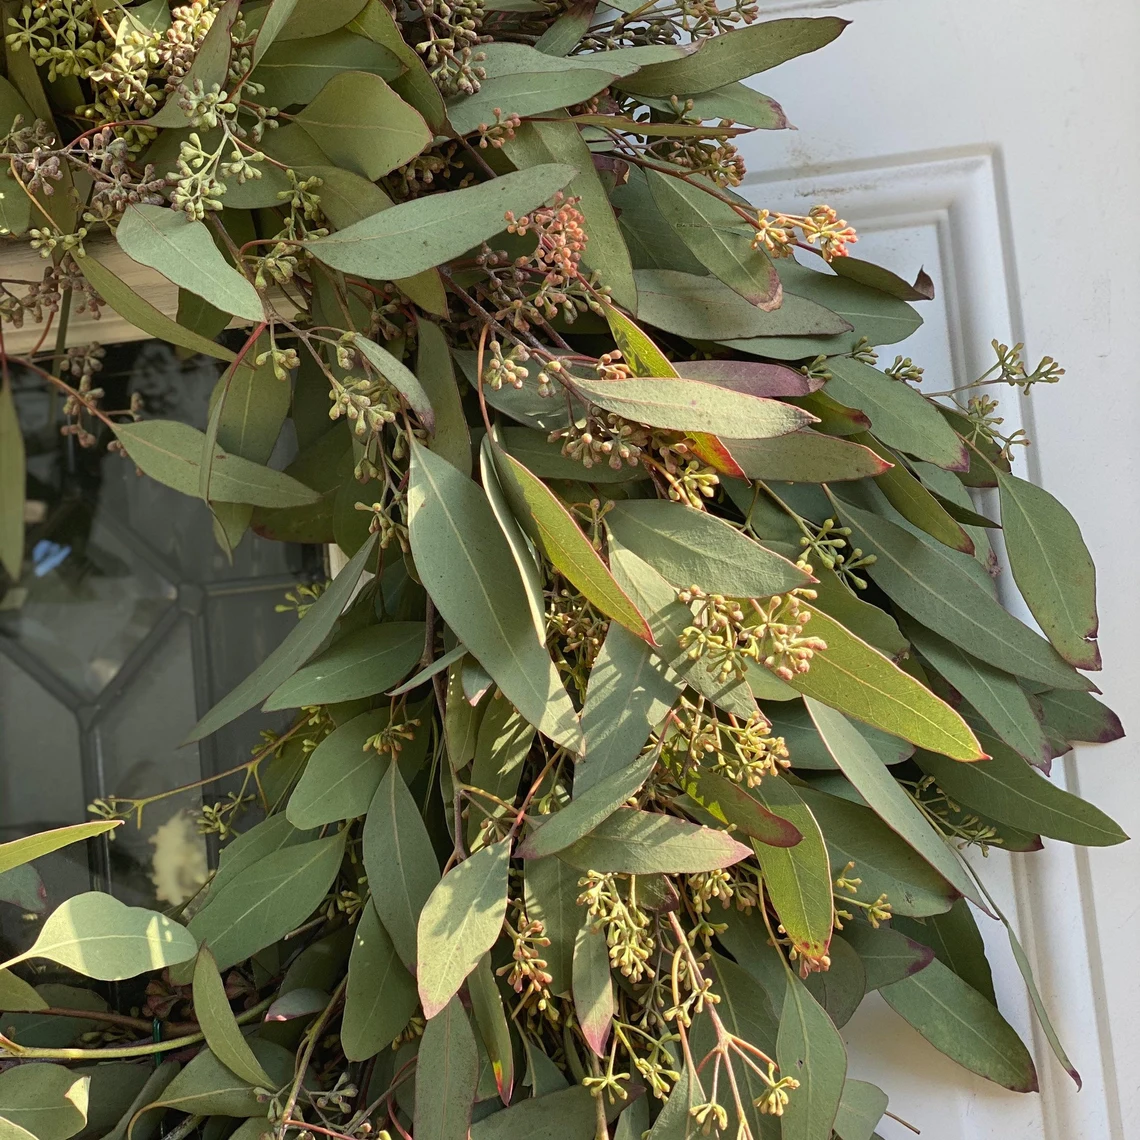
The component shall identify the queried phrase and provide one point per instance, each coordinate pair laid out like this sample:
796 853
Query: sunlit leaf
593 989
48 1101
100 937
20 851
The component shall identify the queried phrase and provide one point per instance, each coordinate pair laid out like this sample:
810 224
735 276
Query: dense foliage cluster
667 680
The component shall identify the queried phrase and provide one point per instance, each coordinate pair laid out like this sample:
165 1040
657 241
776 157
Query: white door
995 142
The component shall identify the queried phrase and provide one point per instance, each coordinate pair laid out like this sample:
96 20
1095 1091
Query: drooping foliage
665 676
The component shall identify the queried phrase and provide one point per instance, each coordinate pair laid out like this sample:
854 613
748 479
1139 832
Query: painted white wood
983 139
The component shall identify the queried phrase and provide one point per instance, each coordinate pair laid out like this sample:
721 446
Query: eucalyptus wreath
665 681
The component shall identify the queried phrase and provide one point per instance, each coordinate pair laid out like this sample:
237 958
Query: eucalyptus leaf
804 457
860 1109
810 1049
460 922
400 862
381 995
183 250
295 71
170 452
142 314
887 954
691 547
594 1002
468 569
494 1029
960 1022
269 898
47 1101
100 937
448 1065
224 1038
566 1115
1052 567
633 842
205 1085
528 93
360 665
17 852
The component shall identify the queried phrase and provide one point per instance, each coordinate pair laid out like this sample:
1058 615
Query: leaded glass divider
126 625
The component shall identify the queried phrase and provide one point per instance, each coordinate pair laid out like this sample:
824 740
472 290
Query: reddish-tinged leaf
712 451
734 806
752 377
593 988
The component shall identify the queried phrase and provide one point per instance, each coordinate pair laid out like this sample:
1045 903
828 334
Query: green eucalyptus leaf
887 954
1052 568
717 237
274 19
467 568
668 619
425 232
797 877
956 942
100 937
565 1115
593 988
381 994
792 722
730 803
526 94
143 315
736 55
364 126
853 677
1007 789
309 18
810 1049
551 893
628 696
860 1109
494 1029
263 902
343 771
17 996
460 922
745 106
587 810
294 651
402 378
941 589
636 842
400 862
182 250
874 782
1079 717
15 204
436 373
960 1022
251 846
704 308
804 457
47 1101
567 547
224 1038
901 417
17 852
691 547
885 861
501 748
447 1071
295 71
996 695
206 1086
364 663
170 452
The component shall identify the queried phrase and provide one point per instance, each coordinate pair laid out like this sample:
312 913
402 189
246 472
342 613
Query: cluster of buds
418 176
369 404
218 818
828 544
301 599
904 369
390 740
527 973
875 912
625 924
1012 370
284 360
713 156
48 241
986 425
603 437
500 131
777 233
449 51
741 752
771 635
389 521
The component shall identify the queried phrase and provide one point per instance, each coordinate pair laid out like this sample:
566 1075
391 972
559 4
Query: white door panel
994 143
